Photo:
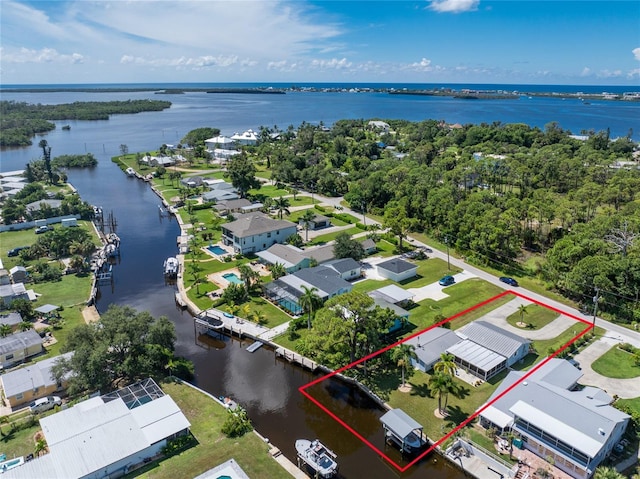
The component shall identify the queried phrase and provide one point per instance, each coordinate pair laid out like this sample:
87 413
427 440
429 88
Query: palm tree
246 311
282 206
232 308
248 275
258 316
5 330
41 447
309 301
278 270
522 309
446 365
402 355
604 472
441 385
307 219
25 326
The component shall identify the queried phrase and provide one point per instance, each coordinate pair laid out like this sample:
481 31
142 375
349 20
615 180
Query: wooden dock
296 358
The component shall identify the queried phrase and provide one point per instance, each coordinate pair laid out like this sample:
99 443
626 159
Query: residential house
393 294
248 138
288 290
11 292
379 126
348 268
106 436
155 161
429 345
225 207
397 269
18 274
18 347
12 319
216 196
486 349
37 205
32 382
192 181
320 254
255 232
289 256
573 427
4 277
318 222
220 143
369 246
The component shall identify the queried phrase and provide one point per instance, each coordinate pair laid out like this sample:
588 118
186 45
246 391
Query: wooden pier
296 358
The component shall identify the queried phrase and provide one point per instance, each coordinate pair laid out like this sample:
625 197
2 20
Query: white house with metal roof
247 138
576 428
18 347
255 232
429 345
31 382
486 349
106 436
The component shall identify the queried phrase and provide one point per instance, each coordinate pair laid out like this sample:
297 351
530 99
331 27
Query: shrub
237 423
177 444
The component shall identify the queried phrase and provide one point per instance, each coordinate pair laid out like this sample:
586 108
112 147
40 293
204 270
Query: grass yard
429 271
269 190
535 317
462 296
616 363
72 317
384 248
274 316
368 285
633 403
70 290
18 443
213 448
323 239
544 347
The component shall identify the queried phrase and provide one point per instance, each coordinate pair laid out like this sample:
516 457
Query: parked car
16 251
447 281
509 281
42 229
44 404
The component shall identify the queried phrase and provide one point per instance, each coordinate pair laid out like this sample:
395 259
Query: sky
398 41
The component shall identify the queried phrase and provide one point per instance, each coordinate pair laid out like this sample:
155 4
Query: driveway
435 291
624 388
498 317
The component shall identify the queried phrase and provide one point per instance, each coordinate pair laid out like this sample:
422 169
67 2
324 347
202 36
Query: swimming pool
215 249
232 278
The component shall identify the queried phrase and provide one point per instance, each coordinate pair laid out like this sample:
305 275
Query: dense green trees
122 347
345 247
242 172
199 135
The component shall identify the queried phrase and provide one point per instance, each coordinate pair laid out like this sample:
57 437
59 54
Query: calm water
266 387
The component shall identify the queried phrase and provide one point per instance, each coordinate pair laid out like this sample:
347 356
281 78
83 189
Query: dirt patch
405 389
520 324
90 314
437 413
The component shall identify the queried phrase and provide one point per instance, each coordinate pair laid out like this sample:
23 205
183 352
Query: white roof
557 428
497 417
220 140
392 293
477 355
95 434
36 375
400 422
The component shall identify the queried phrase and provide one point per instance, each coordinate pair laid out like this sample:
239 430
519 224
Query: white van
44 404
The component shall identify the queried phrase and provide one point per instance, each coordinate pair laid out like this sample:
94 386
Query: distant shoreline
503 93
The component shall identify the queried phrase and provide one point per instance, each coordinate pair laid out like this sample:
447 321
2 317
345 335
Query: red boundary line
303 389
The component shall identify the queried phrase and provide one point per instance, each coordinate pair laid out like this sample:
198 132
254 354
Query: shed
369 246
18 274
397 269
393 294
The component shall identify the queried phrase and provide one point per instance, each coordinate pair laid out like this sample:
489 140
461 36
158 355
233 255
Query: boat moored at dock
171 267
316 455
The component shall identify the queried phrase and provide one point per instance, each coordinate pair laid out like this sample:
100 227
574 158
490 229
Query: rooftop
397 265
255 224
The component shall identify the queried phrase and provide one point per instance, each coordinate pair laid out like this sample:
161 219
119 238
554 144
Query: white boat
317 457
130 171
171 266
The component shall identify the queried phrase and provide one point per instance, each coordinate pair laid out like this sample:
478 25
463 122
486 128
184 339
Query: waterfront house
486 349
155 161
220 143
288 290
397 269
18 274
38 205
289 256
32 382
575 428
18 347
192 181
255 232
429 345
4 277
378 125
248 138
106 436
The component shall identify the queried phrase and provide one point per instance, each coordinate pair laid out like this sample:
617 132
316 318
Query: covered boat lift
402 429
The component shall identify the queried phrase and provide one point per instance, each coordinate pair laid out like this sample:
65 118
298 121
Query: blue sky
430 41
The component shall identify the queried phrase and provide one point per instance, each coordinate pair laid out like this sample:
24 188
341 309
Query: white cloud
44 55
634 73
334 63
423 65
454 6
194 62
609 73
636 53
586 71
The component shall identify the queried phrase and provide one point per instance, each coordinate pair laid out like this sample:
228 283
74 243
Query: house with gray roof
429 345
11 292
397 269
225 207
255 232
32 382
12 319
486 349
318 222
106 436
287 291
369 246
393 293
37 205
18 274
289 256
18 347
576 428
321 254
348 268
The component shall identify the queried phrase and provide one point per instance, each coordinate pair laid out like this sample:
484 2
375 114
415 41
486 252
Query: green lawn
71 289
633 403
322 239
616 363
429 271
19 443
269 190
71 318
384 248
535 317
462 296
543 347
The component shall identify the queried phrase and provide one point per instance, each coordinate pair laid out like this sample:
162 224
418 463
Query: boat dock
255 346
296 358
